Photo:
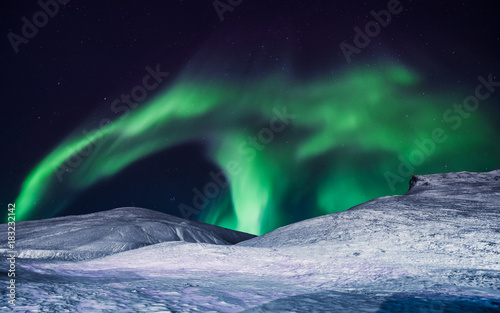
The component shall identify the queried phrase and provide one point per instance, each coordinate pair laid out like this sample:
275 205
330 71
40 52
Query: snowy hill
434 249
447 213
108 232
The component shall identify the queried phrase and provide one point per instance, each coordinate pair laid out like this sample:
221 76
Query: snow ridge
108 232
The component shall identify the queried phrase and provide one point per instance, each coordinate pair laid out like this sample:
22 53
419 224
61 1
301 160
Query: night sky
245 114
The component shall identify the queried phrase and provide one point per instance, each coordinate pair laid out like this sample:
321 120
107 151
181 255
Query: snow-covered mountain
434 249
457 213
103 233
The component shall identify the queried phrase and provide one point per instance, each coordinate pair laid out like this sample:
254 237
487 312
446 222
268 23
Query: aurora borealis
294 130
344 124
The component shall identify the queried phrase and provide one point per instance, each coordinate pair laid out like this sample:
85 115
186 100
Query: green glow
348 131
255 186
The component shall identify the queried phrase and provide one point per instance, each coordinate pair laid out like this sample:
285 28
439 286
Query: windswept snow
103 233
434 249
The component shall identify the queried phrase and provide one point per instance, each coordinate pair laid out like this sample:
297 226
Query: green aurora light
349 129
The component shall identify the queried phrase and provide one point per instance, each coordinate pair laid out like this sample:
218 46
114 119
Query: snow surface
104 233
434 249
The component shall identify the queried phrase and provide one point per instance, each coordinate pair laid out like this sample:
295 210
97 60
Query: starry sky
245 114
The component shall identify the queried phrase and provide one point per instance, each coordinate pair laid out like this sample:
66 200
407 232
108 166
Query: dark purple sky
91 51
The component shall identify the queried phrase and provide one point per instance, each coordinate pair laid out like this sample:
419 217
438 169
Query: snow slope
103 233
434 249
455 213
